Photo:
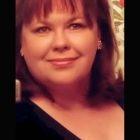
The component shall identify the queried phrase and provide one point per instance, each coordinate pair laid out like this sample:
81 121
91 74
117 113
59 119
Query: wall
117 12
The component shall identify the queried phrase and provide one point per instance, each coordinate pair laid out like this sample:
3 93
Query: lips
62 61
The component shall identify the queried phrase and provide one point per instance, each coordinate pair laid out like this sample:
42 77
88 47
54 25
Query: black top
32 122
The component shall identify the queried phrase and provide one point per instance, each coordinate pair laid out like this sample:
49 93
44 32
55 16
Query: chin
64 80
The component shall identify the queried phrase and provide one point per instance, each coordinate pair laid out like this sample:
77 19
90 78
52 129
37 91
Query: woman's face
60 48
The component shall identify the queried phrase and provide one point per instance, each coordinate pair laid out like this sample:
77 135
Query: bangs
27 9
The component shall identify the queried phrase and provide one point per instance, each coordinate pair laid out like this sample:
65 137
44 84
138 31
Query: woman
65 61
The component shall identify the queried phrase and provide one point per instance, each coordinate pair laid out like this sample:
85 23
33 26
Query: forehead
44 8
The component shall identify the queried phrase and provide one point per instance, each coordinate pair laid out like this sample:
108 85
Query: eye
43 30
76 26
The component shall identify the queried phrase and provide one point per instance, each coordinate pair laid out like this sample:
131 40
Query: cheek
36 47
85 43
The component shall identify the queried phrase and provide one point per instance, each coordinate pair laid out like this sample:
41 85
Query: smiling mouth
61 62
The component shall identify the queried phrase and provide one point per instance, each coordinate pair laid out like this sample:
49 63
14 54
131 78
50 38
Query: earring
21 52
100 45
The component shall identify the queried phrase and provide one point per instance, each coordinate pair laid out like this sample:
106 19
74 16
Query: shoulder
30 126
23 111
26 114
24 124
25 119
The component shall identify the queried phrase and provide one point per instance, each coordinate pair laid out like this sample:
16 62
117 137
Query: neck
67 97
70 97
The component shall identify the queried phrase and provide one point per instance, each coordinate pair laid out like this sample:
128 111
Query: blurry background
117 13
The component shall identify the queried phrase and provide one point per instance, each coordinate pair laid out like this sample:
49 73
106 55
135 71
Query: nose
60 42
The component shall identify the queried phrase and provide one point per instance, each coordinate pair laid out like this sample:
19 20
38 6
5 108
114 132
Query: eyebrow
74 18
68 21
